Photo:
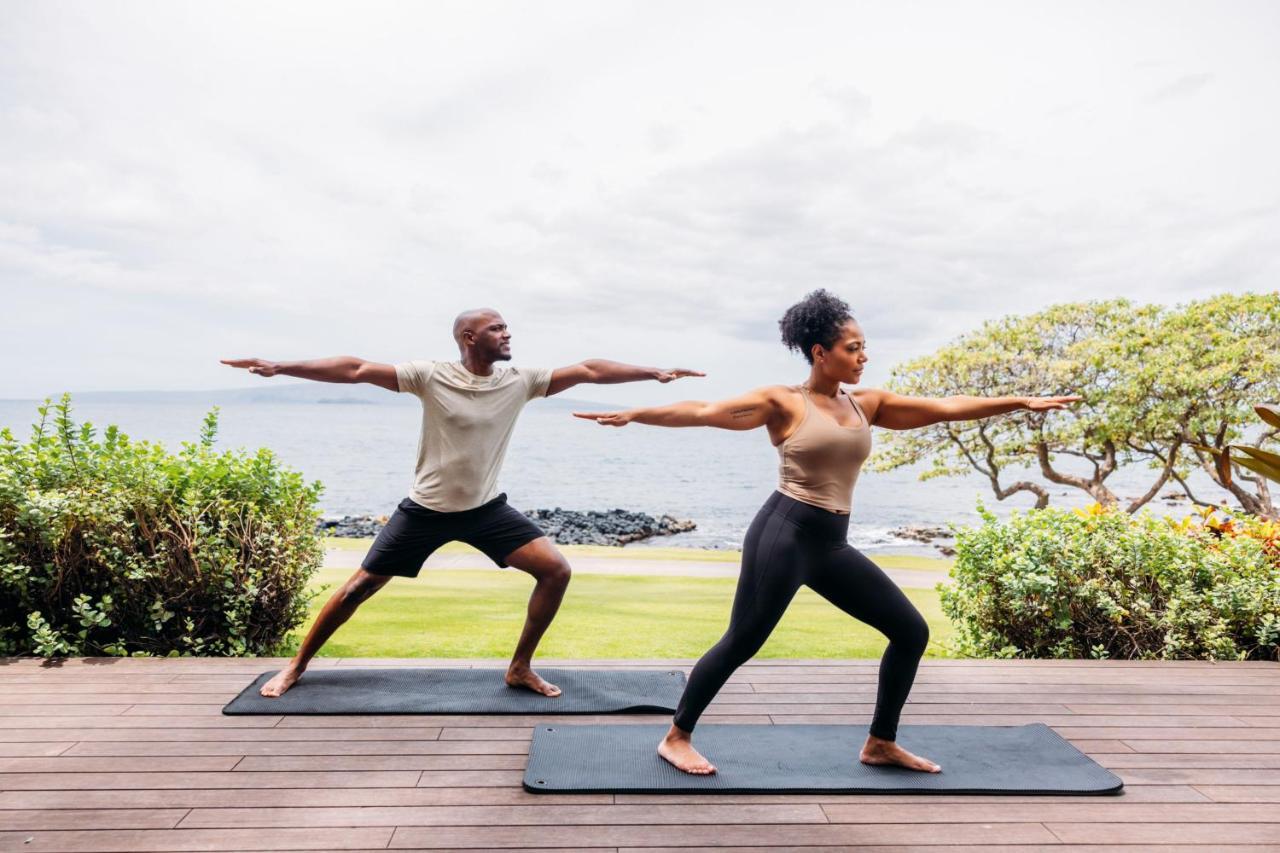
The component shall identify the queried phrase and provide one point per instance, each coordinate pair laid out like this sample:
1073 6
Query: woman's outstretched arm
895 411
751 410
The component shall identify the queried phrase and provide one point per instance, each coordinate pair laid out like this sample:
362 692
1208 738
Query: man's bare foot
677 749
523 676
878 751
280 682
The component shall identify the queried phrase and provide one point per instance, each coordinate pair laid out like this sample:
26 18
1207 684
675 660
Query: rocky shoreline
927 535
564 526
611 527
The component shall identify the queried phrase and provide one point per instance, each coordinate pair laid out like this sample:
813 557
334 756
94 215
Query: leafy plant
111 546
1101 583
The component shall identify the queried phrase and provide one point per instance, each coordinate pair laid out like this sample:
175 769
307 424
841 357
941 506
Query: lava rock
351 526
607 527
921 533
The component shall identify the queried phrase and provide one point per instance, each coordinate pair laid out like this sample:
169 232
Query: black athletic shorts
413 532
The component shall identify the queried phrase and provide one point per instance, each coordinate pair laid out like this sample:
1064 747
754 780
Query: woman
823 434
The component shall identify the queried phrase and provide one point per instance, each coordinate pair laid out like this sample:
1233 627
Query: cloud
642 181
1182 87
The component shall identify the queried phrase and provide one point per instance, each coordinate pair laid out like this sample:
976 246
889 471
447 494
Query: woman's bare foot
280 682
677 749
885 752
524 676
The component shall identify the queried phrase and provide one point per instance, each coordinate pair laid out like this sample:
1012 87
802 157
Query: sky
650 182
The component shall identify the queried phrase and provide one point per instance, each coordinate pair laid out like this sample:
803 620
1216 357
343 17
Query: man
469 409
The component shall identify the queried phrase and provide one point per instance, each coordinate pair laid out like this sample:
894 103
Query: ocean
364 454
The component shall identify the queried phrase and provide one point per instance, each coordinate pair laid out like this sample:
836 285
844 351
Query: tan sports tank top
819 462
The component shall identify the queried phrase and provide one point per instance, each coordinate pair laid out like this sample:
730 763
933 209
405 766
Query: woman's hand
665 376
1044 404
617 419
260 366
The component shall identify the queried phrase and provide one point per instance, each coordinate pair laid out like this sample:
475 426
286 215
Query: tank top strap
862 414
804 392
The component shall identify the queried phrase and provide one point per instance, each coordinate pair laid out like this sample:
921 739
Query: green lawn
479 614
649 553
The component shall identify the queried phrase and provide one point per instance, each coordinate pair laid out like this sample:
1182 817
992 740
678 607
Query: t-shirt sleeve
413 376
537 381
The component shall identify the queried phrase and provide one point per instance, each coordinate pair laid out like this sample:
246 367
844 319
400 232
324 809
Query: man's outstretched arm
342 368
598 371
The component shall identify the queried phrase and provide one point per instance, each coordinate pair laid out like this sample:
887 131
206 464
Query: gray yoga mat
338 690
1030 759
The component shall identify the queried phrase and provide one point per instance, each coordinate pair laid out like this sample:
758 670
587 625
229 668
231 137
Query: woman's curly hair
816 319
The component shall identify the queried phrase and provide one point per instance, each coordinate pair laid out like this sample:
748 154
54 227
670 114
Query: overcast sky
650 182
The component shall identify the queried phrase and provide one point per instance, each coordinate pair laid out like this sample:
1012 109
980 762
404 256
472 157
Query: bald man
469 409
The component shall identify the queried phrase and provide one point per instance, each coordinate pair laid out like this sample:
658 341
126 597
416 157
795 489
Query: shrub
1100 583
111 546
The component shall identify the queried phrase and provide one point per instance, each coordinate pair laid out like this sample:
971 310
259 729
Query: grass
445 613
707 555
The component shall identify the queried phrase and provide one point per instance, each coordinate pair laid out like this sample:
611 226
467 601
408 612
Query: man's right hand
259 366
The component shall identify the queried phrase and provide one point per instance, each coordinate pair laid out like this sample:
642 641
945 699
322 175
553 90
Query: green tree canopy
1157 381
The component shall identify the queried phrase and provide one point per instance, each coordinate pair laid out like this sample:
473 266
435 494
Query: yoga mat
1030 759
339 690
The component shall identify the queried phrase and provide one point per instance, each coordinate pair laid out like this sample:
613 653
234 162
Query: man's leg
337 610
551 572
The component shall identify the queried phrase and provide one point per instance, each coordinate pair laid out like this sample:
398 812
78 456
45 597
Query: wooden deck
135 755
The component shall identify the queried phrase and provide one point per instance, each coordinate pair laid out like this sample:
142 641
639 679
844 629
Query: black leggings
792 543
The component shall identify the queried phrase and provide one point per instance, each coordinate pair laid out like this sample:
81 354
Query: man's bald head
473 320
484 333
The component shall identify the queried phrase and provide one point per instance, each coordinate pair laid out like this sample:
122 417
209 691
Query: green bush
1099 583
116 547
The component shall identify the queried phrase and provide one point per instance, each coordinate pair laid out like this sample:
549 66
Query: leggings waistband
814 520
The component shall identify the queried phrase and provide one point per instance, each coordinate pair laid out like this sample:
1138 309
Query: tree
1155 380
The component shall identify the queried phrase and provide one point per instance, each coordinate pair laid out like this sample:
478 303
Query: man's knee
359 590
560 571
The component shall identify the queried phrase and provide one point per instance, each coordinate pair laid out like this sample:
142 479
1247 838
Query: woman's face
844 361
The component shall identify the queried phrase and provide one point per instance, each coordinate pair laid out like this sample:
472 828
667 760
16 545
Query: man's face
491 338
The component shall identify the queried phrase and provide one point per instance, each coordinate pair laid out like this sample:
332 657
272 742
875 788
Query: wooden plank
1268 712
774 709
36 748
1139 794
1078 722
1198 776
309 763
1117 761
124 721
786 835
309 747
471 778
56 709
138 840
983 848
1212 835
39 820
1169 733
1085 809
65 764
988 689
180 781
514 815
302 798
264 734
1060 700
1091 747
1247 793
1242 747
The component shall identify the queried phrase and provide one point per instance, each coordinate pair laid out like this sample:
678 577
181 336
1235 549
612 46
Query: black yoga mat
339 690
1030 759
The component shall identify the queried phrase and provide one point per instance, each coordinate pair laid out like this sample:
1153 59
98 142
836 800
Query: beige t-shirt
467 421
